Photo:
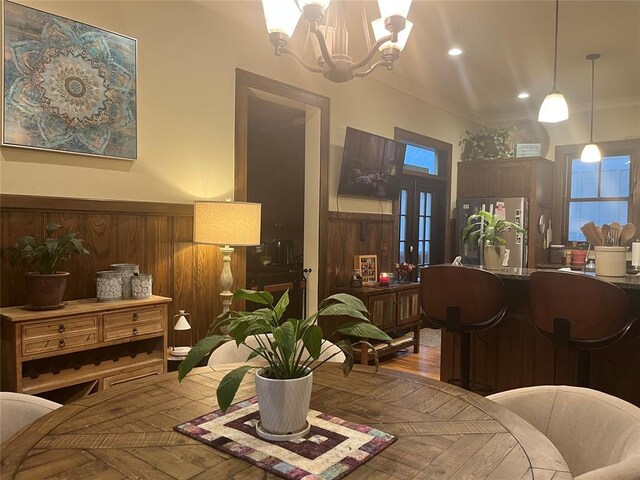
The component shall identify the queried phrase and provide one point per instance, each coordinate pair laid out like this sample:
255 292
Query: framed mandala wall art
67 86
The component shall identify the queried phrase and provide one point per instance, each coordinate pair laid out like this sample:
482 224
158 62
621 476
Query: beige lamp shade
227 223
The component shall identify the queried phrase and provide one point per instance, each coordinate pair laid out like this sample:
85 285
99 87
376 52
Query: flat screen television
371 166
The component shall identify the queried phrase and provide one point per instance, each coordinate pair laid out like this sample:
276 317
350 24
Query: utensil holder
611 261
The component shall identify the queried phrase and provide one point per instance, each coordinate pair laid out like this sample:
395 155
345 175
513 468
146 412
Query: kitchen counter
628 282
514 355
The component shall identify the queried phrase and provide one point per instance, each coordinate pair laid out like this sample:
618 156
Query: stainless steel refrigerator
512 209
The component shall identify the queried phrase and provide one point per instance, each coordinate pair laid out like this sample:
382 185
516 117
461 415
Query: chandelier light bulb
590 154
554 109
454 52
380 31
391 8
281 16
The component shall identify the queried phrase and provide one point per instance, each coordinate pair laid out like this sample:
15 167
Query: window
421 159
598 192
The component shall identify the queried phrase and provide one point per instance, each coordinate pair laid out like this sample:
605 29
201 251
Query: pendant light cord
555 49
593 74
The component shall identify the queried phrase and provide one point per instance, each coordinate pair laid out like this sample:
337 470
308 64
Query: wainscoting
345 240
156 236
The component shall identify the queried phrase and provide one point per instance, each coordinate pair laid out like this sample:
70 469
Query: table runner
333 448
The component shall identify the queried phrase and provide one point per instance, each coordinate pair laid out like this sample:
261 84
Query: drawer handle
61 343
135 331
61 329
135 317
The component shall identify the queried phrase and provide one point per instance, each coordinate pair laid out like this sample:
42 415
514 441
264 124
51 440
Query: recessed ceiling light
454 52
523 95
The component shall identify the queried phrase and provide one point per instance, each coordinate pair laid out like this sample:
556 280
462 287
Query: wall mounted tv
371 166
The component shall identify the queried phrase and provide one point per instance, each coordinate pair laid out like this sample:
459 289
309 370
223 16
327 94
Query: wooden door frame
445 152
247 81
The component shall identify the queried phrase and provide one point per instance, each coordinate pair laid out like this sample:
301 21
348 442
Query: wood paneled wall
344 241
158 237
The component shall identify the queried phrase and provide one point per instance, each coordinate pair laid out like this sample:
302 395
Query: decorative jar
126 270
108 286
141 285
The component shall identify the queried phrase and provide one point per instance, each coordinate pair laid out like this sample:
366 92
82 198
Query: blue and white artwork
68 86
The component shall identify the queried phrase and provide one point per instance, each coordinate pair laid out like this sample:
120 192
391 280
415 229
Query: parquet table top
127 432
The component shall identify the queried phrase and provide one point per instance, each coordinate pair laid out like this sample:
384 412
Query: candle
384 279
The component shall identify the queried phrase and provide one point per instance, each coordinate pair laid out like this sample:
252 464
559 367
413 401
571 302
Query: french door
422 211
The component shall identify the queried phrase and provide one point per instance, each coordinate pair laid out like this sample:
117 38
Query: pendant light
591 152
554 108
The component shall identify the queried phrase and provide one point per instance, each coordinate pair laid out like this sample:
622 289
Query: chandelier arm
288 51
326 56
373 67
371 53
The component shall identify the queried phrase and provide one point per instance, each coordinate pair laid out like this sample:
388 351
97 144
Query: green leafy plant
289 347
43 257
488 228
488 143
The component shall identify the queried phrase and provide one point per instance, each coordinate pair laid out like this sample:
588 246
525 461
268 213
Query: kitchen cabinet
393 309
84 347
528 177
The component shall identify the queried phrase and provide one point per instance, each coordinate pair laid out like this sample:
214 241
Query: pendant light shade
591 152
554 108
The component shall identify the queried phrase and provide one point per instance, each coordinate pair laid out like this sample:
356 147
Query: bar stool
461 300
578 312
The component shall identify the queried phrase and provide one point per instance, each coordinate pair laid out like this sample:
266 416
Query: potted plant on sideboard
45 284
486 230
291 349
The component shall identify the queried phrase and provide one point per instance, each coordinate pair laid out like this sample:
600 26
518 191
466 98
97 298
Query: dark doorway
275 178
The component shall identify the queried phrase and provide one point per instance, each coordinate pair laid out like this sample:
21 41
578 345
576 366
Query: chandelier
331 39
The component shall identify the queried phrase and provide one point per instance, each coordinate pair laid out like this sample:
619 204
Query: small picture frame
368 266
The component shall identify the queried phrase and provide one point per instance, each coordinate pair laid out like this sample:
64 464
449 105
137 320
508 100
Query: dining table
443 431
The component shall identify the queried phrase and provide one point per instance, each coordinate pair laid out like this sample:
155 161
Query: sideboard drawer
138 374
132 317
59 327
133 330
62 343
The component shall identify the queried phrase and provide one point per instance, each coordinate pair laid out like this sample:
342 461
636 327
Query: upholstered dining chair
18 410
231 353
597 434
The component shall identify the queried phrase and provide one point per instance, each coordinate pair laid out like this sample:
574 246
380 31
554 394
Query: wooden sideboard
84 347
392 309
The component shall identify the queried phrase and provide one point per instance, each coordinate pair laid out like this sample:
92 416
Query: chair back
478 295
18 410
582 309
231 353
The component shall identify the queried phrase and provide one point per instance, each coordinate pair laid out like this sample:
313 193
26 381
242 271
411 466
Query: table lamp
227 224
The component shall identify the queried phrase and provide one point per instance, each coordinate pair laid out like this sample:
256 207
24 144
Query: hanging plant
489 143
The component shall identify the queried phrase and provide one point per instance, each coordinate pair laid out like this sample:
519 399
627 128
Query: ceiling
508 48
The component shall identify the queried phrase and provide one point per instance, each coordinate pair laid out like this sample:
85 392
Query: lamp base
226 278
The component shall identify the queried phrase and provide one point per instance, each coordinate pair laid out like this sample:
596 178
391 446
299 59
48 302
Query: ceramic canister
126 270
141 285
108 286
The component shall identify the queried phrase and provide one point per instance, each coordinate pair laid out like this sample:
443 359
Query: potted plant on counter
486 230
291 349
45 284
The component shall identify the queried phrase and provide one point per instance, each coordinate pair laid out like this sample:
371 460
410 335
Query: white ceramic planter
492 259
283 404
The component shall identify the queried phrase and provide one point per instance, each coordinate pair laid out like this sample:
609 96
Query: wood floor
426 363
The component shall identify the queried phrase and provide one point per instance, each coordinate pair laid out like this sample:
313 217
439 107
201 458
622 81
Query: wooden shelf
383 349
71 376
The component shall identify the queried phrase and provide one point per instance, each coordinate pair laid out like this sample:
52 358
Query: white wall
188 53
